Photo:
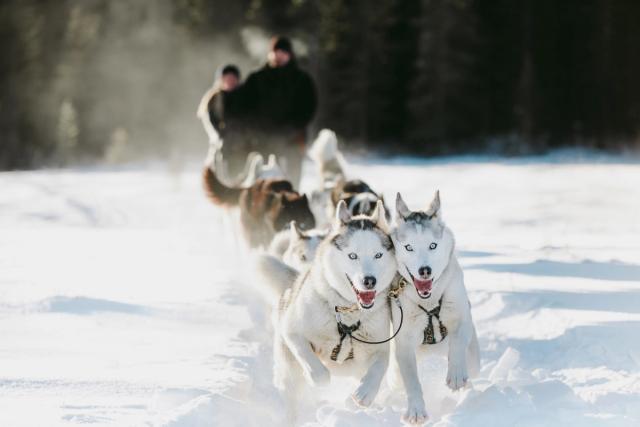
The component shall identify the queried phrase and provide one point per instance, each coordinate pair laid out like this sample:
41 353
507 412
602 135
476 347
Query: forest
85 80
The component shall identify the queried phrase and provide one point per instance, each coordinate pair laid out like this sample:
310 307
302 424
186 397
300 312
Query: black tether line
348 330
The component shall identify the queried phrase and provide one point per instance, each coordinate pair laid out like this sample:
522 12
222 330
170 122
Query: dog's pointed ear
342 213
402 209
379 216
434 207
271 162
294 230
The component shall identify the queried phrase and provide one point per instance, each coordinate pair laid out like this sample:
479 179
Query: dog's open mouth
423 287
365 298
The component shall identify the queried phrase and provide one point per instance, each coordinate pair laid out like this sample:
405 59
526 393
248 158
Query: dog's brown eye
408 248
432 246
353 256
379 255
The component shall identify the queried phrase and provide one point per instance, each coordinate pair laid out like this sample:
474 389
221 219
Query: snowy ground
122 302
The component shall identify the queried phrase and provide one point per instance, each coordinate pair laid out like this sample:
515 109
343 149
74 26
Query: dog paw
415 415
457 376
363 396
318 377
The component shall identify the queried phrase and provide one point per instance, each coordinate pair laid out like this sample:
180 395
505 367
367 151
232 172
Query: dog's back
269 206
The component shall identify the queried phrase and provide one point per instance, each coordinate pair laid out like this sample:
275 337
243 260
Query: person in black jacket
221 116
211 109
278 102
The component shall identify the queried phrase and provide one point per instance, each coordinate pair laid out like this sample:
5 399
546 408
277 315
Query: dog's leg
282 378
459 340
473 354
286 377
406 358
456 316
370 383
313 369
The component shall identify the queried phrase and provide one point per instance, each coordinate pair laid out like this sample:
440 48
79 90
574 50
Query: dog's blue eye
353 256
408 248
379 255
432 246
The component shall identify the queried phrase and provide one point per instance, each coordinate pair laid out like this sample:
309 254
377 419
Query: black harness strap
429 333
344 331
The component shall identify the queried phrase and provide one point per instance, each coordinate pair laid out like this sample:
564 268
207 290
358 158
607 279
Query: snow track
122 304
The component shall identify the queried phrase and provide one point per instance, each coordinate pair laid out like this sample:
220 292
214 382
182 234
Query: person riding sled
278 102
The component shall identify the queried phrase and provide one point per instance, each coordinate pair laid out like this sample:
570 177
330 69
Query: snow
122 301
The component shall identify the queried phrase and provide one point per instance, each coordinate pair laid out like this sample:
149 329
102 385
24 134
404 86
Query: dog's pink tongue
366 297
423 286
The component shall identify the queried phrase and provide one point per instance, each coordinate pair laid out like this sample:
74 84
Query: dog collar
347 308
395 291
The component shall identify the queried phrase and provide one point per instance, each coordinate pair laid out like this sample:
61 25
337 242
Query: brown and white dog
266 207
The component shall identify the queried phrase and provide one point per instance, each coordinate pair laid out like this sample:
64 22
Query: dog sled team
353 291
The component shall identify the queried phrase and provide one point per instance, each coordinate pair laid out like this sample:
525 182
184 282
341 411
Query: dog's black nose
424 271
369 282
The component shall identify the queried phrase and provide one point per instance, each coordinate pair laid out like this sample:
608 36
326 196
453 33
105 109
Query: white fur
297 248
276 276
306 316
330 169
455 314
203 114
256 169
325 147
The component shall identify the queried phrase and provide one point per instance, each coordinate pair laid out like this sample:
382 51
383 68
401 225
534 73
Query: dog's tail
325 147
325 154
216 191
277 276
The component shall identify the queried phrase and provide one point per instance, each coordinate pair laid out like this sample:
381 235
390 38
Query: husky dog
434 298
333 184
360 198
295 247
266 207
350 275
290 252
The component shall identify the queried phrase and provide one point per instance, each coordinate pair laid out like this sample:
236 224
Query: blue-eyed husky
433 296
339 302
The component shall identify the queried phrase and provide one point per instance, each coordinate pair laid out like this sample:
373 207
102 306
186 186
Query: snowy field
123 303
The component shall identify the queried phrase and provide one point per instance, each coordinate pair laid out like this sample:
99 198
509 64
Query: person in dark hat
279 101
221 116
211 109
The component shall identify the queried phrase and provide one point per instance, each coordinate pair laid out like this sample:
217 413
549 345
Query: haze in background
94 80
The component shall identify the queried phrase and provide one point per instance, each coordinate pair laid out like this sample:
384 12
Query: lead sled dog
350 275
436 307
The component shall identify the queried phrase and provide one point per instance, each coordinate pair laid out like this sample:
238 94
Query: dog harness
429 332
433 314
345 330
